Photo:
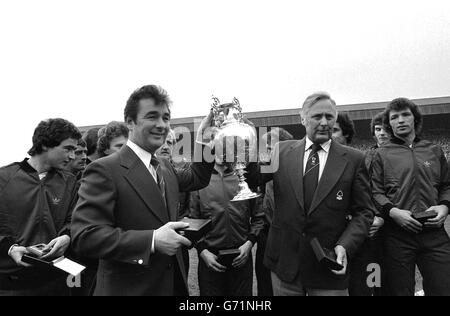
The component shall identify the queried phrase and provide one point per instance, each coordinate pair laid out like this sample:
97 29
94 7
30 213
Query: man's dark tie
311 176
161 183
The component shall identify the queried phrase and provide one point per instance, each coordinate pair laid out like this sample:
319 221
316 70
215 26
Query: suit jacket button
303 235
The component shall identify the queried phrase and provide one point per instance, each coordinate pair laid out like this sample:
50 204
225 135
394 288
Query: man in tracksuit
235 225
410 175
371 252
37 197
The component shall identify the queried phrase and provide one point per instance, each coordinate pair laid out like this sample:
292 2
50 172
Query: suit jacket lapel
333 171
295 160
143 183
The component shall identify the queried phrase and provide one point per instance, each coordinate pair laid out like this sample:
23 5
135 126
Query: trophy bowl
235 143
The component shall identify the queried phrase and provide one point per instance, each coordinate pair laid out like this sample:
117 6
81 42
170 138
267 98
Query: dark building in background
436 113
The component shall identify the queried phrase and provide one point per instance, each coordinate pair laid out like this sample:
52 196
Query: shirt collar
25 165
325 146
144 155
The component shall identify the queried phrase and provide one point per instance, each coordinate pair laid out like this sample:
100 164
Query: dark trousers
233 282
430 250
370 252
263 275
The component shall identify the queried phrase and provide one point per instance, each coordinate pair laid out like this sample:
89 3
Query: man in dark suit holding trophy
321 191
127 211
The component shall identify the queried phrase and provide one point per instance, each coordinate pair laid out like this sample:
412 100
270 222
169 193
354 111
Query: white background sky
80 60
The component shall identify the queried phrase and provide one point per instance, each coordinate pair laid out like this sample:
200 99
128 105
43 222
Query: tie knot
316 148
154 162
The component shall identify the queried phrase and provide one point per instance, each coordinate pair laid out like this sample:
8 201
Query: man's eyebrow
151 113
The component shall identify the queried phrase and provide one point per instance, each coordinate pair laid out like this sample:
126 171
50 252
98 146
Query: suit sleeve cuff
446 203
6 245
252 238
386 209
200 246
65 231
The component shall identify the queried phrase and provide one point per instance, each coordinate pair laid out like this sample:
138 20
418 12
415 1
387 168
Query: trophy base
245 195
244 191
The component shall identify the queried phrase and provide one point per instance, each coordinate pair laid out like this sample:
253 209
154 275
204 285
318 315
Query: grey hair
313 99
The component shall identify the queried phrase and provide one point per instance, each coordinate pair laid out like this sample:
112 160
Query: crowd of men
113 199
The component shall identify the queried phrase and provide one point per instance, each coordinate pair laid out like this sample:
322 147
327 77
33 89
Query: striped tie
311 176
160 179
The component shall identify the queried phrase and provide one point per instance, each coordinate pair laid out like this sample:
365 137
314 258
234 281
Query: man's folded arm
362 211
93 224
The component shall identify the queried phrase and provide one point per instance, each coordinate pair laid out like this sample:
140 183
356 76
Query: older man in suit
321 191
127 210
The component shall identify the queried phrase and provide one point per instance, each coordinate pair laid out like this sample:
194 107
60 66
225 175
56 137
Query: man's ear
130 123
303 120
108 152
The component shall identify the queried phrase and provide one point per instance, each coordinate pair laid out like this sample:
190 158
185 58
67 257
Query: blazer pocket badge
340 196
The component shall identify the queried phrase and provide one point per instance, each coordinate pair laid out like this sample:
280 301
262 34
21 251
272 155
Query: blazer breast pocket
339 197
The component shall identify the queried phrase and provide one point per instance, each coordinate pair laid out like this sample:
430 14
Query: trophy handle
237 105
215 106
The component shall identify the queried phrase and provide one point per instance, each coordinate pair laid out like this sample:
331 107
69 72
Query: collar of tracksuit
398 141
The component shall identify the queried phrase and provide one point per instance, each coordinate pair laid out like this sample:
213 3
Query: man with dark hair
77 166
410 176
380 136
91 139
344 129
371 252
263 275
321 191
127 211
37 197
111 138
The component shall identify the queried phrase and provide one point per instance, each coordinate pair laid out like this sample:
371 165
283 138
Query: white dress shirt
145 157
323 155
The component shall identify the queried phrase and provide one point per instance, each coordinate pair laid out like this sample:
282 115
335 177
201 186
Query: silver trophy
235 142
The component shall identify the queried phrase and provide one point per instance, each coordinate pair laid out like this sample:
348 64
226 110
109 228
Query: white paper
68 266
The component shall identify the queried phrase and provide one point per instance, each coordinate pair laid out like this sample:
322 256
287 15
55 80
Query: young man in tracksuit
37 197
371 252
409 176
235 225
